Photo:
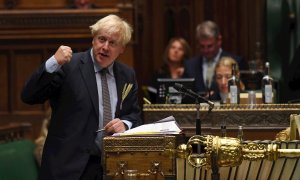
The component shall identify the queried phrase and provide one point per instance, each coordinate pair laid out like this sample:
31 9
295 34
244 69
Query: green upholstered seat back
17 161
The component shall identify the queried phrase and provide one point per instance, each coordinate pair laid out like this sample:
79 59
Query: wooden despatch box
146 154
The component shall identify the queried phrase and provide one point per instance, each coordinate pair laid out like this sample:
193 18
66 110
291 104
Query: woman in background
175 53
223 72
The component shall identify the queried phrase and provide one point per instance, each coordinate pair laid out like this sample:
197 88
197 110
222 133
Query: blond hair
227 61
113 24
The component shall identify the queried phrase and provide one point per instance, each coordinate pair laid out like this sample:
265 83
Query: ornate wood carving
263 117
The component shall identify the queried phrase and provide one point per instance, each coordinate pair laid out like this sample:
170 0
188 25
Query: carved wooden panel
263 118
24 64
178 19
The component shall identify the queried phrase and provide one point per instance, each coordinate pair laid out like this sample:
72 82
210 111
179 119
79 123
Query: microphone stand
198 121
215 175
208 86
215 169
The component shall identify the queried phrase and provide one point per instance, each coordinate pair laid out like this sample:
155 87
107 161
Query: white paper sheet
165 126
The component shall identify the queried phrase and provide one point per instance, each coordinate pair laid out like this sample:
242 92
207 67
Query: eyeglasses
111 43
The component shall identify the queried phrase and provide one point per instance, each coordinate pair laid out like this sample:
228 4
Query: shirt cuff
128 123
52 65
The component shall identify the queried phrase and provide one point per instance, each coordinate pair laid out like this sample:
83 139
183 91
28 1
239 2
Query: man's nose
224 80
106 45
206 50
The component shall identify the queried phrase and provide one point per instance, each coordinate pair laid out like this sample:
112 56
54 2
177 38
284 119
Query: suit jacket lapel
88 73
119 83
199 74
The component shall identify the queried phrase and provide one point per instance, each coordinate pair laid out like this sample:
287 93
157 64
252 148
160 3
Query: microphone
189 92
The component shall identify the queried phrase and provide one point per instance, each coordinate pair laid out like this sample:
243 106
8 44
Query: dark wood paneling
111 3
58 4
24 64
4 96
32 4
242 32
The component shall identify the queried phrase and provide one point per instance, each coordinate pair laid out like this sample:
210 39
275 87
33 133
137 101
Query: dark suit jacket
73 96
193 69
291 74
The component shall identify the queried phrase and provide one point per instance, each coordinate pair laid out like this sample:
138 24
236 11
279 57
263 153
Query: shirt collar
216 58
98 68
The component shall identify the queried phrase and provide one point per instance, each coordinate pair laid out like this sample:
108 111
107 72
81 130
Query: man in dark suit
202 67
73 85
292 76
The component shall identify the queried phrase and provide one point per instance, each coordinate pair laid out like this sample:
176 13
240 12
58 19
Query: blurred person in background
202 67
175 53
223 72
82 4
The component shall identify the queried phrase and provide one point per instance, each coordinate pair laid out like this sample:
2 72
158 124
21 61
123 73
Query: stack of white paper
164 126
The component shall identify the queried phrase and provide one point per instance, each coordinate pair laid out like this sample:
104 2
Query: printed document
164 126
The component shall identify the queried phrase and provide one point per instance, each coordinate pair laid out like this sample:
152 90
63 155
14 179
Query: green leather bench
17 161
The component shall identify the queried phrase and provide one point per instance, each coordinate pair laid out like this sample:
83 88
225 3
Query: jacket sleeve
41 86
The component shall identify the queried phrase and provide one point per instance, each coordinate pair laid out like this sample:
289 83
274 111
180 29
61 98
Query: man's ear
122 49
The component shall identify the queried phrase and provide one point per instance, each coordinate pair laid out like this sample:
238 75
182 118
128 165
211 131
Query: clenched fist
63 54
